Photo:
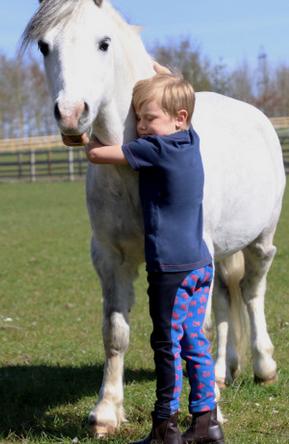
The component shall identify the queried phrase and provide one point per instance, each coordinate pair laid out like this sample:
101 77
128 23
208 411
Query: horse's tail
232 270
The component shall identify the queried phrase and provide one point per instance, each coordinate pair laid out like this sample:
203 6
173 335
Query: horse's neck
116 122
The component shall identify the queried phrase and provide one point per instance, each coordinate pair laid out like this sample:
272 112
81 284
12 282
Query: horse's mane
51 12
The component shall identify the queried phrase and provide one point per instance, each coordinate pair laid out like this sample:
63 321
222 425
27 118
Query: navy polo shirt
171 181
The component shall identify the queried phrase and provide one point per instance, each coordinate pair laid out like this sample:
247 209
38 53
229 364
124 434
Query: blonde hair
172 92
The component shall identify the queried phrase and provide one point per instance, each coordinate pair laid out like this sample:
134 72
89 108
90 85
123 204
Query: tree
266 98
282 90
241 83
220 79
25 99
182 56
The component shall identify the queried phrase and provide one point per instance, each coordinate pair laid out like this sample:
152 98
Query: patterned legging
177 307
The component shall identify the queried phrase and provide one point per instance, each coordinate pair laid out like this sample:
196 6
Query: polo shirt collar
186 136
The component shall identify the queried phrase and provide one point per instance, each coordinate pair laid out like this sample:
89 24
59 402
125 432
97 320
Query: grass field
50 323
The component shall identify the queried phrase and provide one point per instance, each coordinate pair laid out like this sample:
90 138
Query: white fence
47 158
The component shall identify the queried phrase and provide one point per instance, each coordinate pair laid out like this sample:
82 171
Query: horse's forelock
49 13
97 2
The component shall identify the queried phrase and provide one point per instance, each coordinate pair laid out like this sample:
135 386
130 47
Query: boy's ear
181 119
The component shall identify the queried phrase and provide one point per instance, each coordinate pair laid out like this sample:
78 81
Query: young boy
180 272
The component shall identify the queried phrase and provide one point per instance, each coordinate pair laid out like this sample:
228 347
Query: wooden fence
31 143
40 158
280 122
286 158
46 158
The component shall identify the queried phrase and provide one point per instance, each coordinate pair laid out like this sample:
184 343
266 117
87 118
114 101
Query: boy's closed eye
147 117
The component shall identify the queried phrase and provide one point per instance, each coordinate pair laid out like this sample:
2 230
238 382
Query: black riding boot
163 432
205 429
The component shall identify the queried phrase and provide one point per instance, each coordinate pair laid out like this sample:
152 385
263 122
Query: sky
226 31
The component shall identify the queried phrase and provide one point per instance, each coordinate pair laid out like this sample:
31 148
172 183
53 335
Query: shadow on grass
27 393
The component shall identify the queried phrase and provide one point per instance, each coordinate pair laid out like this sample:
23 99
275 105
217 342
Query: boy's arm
95 151
99 153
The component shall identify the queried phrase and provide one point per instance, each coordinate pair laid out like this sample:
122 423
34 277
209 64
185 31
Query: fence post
70 164
49 162
19 161
80 160
32 166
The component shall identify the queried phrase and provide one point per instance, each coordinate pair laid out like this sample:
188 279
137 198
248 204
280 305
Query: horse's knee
221 299
258 258
115 333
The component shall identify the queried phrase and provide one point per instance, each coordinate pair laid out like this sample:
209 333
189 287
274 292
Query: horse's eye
104 44
43 47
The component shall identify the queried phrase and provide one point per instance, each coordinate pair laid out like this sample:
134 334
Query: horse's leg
226 358
258 258
116 275
208 327
229 315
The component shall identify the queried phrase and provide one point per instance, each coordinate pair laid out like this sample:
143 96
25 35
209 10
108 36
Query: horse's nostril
86 108
57 114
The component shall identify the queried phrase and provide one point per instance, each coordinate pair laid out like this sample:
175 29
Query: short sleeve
142 152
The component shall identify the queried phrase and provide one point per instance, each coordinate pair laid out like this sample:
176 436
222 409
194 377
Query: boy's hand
81 140
160 69
94 143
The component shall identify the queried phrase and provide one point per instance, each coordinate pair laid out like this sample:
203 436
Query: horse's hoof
266 381
102 427
99 430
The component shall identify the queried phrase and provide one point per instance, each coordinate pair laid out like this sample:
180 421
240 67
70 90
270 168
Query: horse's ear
136 28
97 2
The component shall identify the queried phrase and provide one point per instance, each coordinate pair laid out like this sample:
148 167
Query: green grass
50 324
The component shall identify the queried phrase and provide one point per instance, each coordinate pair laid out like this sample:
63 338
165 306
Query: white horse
93 58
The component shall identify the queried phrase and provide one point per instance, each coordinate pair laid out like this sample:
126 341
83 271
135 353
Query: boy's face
152 120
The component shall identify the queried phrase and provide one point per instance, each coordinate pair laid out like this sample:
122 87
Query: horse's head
78 42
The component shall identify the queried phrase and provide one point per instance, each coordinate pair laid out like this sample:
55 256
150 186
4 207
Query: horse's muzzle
75 140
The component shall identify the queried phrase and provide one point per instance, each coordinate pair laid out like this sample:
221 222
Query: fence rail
283 134
280 122
31 143
32 165
41 158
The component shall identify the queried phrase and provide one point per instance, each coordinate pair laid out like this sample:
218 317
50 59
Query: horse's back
237 130
244 172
